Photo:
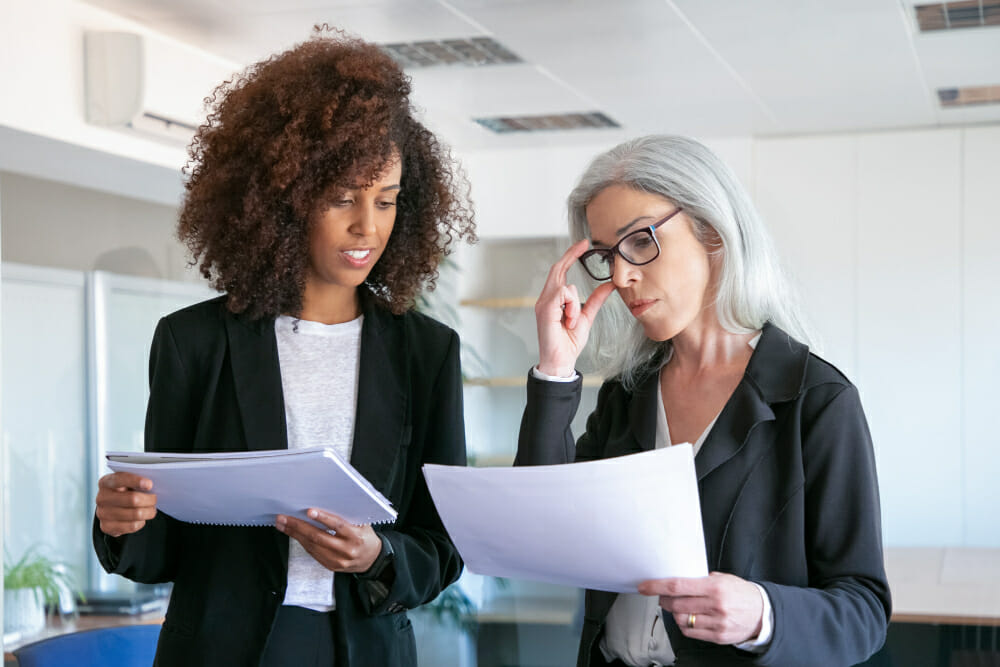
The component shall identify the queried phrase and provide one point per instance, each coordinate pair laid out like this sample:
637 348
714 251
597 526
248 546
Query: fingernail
146 484
313 514
280 522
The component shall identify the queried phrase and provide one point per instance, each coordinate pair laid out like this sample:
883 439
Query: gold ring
691 620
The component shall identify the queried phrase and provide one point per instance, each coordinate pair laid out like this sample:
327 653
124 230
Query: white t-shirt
319 379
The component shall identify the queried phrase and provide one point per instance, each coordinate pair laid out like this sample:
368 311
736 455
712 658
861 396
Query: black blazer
789 500
215 385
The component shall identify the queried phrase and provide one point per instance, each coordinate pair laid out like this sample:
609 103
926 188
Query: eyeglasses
637 248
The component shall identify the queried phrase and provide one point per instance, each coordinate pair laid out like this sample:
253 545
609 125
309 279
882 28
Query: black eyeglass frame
609 253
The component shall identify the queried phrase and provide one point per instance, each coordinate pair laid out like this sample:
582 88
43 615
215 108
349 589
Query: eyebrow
622 230
389 187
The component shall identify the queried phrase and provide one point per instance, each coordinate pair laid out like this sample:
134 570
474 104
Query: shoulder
199 314
820 372
424 335
196 327
426 327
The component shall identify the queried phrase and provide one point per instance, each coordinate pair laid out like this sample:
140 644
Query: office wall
892 239
56 225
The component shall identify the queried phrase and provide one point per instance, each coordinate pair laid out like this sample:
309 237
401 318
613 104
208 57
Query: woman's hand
349 549
724 608
563 324
124 503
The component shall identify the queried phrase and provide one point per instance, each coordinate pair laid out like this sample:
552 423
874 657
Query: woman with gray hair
705 346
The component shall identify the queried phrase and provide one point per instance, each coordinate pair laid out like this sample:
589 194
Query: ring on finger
692 618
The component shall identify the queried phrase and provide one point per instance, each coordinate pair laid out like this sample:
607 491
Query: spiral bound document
253 488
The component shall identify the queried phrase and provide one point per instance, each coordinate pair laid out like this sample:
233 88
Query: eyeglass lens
637 248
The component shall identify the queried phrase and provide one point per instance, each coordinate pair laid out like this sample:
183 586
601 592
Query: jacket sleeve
150 555
545 436
842 616
425 561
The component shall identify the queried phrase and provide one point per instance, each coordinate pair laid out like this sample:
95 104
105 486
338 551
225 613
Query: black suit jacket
789 499
215 385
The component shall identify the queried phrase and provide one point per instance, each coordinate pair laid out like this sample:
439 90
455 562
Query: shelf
501 302
519 381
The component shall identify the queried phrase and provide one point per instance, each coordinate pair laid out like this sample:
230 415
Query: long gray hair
752 288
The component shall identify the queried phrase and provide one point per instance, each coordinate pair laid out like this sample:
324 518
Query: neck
705 346
330 304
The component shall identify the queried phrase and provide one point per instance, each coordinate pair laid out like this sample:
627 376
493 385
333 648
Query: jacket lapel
643 411
776 373
253 351
381 424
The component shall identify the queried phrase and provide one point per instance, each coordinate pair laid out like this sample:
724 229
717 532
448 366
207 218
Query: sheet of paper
606 525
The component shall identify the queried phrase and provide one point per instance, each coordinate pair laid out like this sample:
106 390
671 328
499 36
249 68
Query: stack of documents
606 525
252 488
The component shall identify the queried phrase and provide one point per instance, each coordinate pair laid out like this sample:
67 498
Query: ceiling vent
969 96
954 15
566 121
473 52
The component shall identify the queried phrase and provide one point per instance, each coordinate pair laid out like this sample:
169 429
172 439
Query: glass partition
121 320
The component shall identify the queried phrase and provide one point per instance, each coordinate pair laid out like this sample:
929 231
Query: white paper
606 525
252 488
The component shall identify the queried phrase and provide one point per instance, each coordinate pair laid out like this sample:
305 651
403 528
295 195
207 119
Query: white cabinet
805 189
981 335
909 328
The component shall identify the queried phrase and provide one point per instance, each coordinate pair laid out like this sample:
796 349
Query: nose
623 273
364 221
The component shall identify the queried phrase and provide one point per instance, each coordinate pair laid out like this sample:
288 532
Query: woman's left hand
724 608
349 549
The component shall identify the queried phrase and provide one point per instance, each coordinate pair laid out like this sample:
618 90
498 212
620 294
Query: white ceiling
703 67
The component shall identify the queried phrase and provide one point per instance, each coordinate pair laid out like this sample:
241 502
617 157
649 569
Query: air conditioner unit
149 85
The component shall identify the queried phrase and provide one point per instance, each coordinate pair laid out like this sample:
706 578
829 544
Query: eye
386 204
641 241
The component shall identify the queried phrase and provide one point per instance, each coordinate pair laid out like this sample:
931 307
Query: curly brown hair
327 115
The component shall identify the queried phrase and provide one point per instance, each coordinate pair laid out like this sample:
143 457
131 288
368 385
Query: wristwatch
382 567
378 579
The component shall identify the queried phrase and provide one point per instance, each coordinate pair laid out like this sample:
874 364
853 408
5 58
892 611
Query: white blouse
633 630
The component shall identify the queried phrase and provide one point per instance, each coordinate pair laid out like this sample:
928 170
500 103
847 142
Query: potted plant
29 584
445 629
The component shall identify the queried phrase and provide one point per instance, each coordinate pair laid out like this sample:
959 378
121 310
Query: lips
357 257
640 306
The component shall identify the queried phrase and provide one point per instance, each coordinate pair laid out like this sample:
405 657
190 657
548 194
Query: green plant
35 570
453 607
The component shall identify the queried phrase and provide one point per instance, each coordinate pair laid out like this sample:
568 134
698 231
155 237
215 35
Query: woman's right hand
124 503
563 323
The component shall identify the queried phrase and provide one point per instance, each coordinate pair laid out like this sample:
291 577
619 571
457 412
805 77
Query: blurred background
867 131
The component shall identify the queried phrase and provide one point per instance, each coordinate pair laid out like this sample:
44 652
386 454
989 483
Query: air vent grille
566 121
953 15
969 96
473 52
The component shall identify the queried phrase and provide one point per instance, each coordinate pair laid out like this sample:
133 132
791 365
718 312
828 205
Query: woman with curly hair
320 206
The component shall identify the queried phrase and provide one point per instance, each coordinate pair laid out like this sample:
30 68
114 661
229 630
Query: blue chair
122 646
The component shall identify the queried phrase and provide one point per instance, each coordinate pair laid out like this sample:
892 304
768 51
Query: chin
660 330
659 334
